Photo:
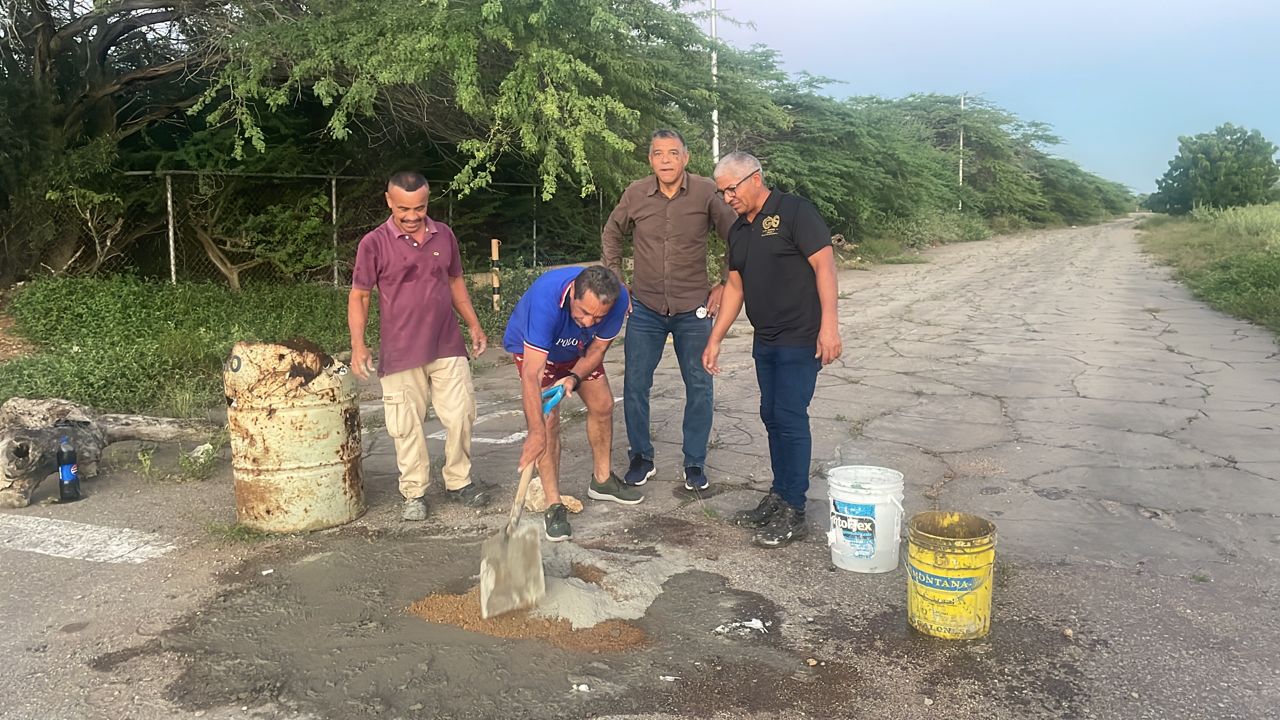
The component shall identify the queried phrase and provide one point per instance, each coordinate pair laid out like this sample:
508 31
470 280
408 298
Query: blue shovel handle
551 397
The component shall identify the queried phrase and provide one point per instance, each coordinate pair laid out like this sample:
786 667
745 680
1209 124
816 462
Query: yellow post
493 269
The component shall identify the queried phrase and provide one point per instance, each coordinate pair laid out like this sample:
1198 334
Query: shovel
511 562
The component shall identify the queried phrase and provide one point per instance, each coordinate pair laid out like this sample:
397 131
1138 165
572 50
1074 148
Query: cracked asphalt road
1122 436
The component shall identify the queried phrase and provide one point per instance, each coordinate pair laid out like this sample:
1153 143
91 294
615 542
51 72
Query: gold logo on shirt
770 225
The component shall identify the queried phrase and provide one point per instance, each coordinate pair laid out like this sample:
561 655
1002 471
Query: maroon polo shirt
417 324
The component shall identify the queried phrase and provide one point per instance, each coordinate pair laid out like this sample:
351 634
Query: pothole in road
343 634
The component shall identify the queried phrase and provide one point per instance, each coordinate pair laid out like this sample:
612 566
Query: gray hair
738 164
668 134
602 283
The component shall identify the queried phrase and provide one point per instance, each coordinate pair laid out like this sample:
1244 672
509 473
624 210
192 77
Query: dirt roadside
11 346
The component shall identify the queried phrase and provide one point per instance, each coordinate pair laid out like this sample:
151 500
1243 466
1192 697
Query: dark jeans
787 375
645 341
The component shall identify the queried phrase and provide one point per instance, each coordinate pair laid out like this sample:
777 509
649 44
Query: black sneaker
786 525
557 520
769 505
640 471
695 479
471 495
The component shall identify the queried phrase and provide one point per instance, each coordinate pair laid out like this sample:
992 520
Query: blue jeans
645 341
787 375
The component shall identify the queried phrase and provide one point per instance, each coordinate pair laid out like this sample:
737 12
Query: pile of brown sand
586 573
464 611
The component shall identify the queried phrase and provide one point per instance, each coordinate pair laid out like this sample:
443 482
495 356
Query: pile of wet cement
463 611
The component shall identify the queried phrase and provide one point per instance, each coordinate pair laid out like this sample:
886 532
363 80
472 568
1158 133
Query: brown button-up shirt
669 238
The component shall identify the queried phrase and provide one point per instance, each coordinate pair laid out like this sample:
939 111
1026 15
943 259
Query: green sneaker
557 520
614 490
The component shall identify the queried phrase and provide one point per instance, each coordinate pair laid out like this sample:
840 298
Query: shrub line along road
1122 436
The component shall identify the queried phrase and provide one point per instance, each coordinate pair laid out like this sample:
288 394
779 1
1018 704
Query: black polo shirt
772 254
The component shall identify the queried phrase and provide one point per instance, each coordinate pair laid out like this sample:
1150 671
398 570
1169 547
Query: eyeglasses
733 189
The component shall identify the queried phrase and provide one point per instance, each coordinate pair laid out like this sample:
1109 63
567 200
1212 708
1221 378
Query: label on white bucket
857 524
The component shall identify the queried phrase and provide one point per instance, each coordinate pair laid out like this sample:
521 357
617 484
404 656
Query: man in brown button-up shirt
669 215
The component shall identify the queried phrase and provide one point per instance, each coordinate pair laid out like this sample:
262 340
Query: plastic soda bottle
68 471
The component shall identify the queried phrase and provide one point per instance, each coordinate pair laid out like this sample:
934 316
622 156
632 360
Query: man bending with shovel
558 334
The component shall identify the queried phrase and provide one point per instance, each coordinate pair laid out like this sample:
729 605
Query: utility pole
961 204
715 76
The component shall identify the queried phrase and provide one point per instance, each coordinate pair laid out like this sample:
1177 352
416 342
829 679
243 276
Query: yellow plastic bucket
950 556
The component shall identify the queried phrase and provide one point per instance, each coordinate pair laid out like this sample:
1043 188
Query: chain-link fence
237 228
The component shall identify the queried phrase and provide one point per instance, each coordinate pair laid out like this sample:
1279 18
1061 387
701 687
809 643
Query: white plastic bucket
866 517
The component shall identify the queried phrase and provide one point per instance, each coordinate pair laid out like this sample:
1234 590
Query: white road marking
79 541
514 437
511 439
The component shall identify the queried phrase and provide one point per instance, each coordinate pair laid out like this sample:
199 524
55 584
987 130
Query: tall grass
130 345
1260 222
1229 258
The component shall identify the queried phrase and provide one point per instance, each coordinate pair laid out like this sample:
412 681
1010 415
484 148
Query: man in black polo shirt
782 264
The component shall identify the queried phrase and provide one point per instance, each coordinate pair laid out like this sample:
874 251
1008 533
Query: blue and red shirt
541 320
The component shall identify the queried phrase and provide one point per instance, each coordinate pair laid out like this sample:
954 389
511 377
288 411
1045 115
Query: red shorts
555 371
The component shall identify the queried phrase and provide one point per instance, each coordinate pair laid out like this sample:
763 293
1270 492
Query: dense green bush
1246 286
1251 221
1230 258
131 345
201 316
936 228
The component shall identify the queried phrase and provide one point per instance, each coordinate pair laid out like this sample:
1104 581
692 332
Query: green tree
1075 196
998 149
559 84
488 94
860 162
76 80
1230 166
240 217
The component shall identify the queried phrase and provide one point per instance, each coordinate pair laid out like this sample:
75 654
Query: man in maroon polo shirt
414 263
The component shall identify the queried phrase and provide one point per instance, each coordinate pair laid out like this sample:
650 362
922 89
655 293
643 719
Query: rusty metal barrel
295 437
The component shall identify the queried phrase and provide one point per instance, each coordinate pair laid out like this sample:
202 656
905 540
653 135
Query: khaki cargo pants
446 384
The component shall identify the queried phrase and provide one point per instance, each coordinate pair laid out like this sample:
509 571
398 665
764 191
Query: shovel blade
511 571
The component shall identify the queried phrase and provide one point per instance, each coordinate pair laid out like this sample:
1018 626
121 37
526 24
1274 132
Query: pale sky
1118 80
